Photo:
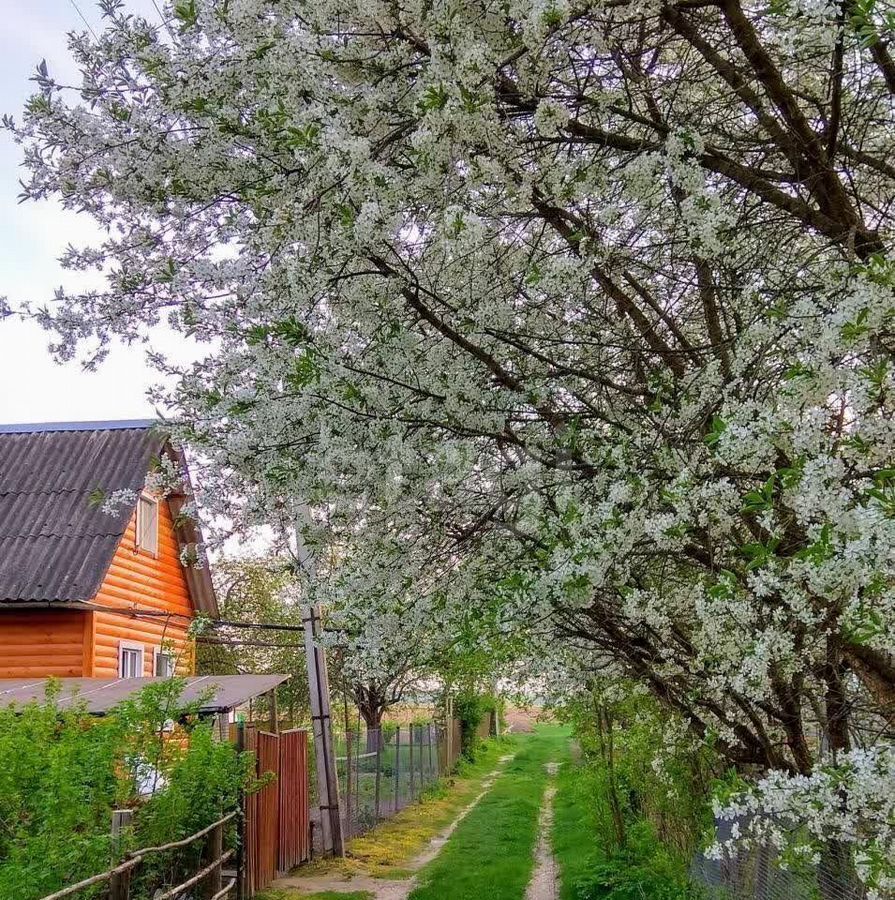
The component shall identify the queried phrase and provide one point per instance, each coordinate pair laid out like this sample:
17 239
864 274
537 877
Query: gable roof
56 542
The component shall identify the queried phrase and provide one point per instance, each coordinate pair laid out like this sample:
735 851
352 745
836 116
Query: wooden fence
209 878
295 821
276 830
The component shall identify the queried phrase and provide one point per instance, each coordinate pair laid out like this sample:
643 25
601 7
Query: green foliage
187 13
254 590
63 772
470 709
643 868
59 782
202 785
621 743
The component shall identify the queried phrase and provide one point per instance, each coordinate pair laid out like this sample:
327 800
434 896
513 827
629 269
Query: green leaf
533 276
719 426
96 497
822 549
851 331
186 12
798 370
760 500
302 138
759 554
305 371
435 96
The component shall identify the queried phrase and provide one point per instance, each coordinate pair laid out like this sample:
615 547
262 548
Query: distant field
522 719
404 715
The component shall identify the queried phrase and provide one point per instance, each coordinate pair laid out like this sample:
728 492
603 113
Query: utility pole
321 719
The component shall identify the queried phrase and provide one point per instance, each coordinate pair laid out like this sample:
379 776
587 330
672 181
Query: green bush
620 746
58 785
642 869
63 772
470 709
627 828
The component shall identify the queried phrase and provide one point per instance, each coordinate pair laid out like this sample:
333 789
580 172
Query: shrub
470 709
63 772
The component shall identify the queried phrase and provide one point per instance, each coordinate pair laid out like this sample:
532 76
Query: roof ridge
99 425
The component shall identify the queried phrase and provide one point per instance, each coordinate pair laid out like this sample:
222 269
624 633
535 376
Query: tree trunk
607 751
836 876
371 713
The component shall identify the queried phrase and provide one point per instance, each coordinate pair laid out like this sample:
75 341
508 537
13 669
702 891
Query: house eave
46 604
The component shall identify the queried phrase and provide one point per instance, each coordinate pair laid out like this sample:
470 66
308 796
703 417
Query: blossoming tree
580 311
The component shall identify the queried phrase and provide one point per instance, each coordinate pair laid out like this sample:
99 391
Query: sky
33 388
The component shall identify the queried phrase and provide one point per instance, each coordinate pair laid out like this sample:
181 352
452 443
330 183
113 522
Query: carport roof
215 693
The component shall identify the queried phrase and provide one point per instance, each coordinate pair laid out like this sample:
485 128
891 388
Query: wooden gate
268 808
277 835
295 827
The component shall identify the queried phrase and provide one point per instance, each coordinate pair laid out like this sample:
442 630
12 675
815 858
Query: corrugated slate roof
56 543
216 693
104 425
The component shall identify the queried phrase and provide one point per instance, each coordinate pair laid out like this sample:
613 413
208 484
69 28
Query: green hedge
63 772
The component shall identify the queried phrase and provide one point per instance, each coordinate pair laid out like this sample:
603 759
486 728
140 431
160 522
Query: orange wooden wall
42 642
138 579
71 643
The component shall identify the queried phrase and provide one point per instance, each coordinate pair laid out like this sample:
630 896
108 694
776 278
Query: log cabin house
85 592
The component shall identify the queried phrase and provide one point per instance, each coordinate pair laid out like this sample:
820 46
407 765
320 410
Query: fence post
378 772
357 770
410 762
448 732
274 712
397 768
213 851
422 765
349 738
120 882
241 822
432 773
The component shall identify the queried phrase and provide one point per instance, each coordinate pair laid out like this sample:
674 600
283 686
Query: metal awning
215 693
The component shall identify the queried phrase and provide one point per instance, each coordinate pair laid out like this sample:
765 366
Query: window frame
133 647
157 654
146 498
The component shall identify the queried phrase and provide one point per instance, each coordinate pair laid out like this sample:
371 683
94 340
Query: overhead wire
77 9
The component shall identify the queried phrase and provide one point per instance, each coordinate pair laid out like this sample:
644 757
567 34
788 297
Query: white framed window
164 664
130 660
147 524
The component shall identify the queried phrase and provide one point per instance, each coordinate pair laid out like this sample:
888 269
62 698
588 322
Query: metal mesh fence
382 770
757 875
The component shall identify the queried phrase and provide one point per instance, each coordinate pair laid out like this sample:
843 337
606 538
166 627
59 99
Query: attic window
147 524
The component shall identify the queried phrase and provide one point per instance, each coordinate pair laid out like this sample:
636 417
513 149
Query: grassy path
574 843
491 853
475 839
380 864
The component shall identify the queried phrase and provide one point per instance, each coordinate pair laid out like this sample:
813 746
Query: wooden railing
210 876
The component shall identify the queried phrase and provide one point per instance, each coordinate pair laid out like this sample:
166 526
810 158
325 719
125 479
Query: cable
164 21
215 623
84 20
226 642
